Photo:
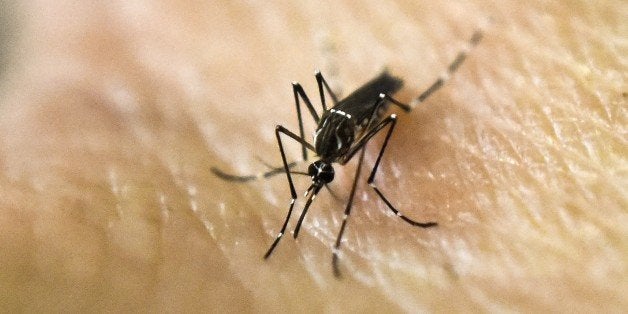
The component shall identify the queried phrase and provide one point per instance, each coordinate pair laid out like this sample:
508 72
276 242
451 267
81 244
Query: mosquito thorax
321 172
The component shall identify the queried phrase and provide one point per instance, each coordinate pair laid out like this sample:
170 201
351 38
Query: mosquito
342 132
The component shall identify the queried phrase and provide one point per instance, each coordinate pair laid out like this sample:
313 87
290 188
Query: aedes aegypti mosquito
342 131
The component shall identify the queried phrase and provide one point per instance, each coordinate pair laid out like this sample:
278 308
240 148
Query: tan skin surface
112 114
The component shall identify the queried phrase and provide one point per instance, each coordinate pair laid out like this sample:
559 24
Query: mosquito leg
392 119
334 257
453 66
323 83
309 201
395 102
300 93
263 175
373 129
276 170
293 194
283 229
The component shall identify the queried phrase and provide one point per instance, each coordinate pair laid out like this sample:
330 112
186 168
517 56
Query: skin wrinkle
520 158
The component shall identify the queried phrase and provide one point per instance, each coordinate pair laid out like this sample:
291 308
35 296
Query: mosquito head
321 172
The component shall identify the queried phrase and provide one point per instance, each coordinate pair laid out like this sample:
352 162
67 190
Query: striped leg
451 69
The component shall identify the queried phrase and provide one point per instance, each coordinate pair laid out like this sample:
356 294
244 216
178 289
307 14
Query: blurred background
112 114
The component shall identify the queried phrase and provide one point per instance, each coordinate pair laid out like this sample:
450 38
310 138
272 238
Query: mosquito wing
361 103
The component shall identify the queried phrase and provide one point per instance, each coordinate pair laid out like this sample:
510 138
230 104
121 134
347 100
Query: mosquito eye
327 175
312 170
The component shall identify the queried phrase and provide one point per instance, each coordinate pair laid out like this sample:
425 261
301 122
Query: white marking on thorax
340 112
338 141
316 133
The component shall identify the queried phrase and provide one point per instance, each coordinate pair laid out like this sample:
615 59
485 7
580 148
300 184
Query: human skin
113 113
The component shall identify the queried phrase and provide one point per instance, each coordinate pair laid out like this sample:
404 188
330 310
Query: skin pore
112 113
